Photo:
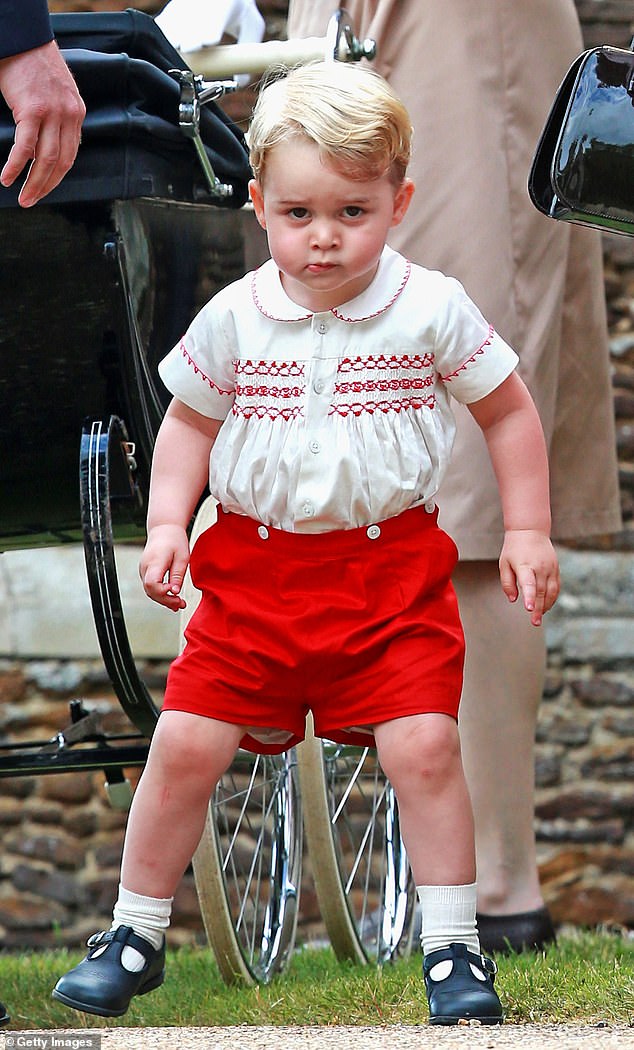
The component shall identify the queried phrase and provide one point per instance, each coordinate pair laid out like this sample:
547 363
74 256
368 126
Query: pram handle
221 61
225 60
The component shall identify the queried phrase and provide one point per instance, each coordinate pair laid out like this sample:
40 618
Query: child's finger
528 588
153 573
532 593
508 580
539 591
162 592
172 601
177 574
552 590
156 585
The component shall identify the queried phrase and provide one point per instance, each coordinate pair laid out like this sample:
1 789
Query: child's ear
257 199
402 200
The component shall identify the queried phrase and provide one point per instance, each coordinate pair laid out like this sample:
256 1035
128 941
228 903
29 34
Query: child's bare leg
188 755
420 755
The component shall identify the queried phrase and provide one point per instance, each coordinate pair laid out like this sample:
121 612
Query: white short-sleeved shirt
339 419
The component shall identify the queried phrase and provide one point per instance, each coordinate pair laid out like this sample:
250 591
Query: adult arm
515 440
42 96
24 24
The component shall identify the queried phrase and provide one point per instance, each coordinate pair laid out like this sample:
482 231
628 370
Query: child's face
325 231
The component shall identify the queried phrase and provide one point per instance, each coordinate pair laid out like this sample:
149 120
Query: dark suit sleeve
24 24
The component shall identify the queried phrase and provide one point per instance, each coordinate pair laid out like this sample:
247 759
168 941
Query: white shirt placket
319 390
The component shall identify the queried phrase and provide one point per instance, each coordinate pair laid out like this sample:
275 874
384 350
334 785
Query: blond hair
351 113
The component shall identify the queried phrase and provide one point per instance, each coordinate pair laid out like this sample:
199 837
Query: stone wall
62 839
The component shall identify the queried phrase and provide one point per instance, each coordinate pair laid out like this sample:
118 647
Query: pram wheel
248 867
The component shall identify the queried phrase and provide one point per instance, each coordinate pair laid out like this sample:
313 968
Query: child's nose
324 234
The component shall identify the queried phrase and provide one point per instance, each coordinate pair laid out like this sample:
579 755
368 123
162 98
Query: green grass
587 978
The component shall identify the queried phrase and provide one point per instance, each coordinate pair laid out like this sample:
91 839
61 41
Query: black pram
96 284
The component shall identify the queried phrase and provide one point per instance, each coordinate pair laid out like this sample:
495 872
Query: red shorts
360 626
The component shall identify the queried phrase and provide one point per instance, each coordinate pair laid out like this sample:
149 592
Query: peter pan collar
388 283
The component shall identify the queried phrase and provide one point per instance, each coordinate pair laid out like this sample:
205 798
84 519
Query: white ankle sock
448 916
149 917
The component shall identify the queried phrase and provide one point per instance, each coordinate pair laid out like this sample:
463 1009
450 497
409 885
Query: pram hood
132 145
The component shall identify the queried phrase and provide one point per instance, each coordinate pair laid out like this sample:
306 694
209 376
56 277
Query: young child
314 396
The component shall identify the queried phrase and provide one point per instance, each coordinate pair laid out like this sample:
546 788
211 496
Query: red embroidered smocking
370 407
268 368
352 364
266 411
262 400
370 385
404 375
248 390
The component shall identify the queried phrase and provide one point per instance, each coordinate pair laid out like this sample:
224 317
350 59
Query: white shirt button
430 507
322 327
315 447
318 386
308 510
263 532
373 532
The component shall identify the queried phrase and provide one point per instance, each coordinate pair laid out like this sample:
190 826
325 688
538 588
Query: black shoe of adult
4 1017
465 992
523 931
100 984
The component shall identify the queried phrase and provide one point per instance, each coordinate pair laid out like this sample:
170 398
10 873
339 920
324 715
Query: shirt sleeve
24 24
472 359
199 370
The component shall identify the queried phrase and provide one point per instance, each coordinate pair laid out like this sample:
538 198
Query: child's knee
425 751
189 744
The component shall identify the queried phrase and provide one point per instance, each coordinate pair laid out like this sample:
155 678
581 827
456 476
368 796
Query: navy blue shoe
463 995
100 984
4 1017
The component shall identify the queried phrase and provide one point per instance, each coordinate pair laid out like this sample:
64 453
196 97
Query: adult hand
191 24
48 112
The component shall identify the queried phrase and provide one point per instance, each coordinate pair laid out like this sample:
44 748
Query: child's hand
528 563
163 565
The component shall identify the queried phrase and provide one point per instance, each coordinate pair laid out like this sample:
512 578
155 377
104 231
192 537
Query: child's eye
353 211
298 213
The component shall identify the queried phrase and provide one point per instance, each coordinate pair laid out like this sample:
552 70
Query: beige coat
479 79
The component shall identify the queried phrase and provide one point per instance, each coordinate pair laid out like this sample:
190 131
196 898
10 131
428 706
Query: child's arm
180 470
515 440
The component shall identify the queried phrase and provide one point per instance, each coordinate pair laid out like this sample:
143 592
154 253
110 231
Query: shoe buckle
489 965
103 937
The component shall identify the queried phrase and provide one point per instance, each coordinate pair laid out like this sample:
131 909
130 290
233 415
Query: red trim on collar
335 311
260 306
386 306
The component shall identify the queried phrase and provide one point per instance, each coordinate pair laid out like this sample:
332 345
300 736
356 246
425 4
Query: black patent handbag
583 168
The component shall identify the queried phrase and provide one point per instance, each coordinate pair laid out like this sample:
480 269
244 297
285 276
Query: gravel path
394 1037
